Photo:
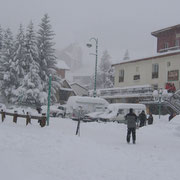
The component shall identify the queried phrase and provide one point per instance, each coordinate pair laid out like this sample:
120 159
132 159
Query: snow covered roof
73 100
155 33
72 84
62 65
158 55
66 89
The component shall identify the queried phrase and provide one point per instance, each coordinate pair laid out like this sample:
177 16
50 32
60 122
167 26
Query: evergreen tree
19 54
1 39
31 51
30 92
31 89
7 66
46 53
104 71
1 44
109 83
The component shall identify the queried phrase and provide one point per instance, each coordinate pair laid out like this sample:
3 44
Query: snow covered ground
99 153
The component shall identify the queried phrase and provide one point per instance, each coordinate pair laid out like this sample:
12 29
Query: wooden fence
28 117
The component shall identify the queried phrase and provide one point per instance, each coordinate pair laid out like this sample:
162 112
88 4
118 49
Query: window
177 42
136 77
166 45
155 71
121 75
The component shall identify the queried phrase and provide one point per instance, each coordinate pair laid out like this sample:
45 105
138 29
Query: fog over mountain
118 24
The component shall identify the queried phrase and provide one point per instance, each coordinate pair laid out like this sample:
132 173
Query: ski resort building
136 79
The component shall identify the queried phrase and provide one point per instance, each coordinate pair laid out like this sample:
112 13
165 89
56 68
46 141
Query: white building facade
156 71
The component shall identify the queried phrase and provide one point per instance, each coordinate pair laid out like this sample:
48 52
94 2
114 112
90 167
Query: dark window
136 77
121 75
177 42
155 71
166 45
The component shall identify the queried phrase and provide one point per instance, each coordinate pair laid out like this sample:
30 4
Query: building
79 90
85 80
158 71
61 68
168 38
65 91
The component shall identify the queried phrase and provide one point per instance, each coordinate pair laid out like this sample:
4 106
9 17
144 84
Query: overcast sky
118 24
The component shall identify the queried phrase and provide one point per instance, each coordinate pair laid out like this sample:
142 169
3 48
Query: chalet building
61 68
65 91
158 71
79 89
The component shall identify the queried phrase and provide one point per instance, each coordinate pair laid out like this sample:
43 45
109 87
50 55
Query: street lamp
159 95
96 54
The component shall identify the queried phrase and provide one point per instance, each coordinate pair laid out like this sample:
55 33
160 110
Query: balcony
133 91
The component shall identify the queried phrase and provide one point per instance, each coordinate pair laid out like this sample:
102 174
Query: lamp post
159 95
96 54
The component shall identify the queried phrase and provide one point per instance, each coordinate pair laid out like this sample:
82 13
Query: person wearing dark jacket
39 109
142 118
171 116
131 125
150 119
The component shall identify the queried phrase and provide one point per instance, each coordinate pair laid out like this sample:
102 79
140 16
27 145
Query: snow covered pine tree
31 89
7 66
104 77
46 56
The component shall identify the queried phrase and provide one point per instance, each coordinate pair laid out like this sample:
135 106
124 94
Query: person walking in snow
142 118
150 119
171 116
131 125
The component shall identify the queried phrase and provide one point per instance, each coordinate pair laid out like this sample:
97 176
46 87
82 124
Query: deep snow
99 153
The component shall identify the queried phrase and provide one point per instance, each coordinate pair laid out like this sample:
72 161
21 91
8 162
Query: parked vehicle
78 106
116 112
94 116
55 110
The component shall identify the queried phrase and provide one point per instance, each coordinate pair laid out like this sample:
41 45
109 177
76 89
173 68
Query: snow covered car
116 112
94 116
78 106
55 111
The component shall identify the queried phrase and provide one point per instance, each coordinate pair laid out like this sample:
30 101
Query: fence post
28 119
15 117
3 115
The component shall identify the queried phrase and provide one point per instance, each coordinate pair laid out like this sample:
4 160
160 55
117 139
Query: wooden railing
28 117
